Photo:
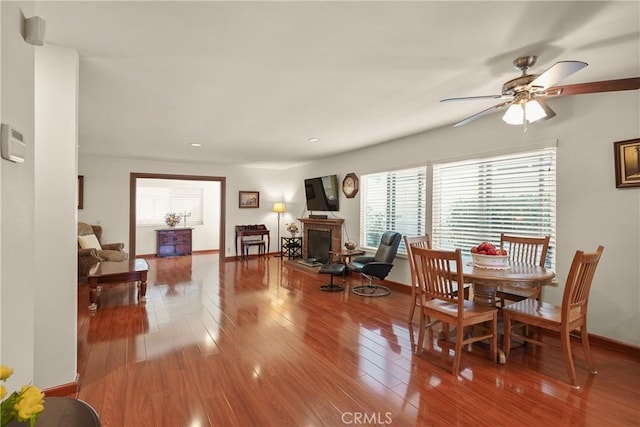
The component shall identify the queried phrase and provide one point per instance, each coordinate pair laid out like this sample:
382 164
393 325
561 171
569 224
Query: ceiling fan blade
557 72
632 83
482 113
548 111
467 98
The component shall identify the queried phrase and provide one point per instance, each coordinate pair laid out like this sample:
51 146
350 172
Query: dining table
485 282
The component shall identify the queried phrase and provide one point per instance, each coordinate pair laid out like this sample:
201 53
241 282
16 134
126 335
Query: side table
345 256
64 411
292 246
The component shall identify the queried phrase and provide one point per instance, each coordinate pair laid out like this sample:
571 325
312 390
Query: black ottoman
332 269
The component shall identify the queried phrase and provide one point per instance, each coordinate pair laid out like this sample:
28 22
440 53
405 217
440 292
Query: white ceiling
253 81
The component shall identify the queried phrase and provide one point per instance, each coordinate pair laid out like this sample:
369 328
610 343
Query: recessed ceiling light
195 144
313 140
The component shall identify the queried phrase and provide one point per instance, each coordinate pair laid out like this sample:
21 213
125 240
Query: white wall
590 210
205 236
17 278
56 297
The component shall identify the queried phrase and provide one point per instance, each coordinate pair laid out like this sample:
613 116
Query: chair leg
412 307
565 339
458 350
421 332
587 349
430 332
494 338
506 340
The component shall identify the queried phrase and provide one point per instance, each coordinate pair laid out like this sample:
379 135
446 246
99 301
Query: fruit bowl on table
490 261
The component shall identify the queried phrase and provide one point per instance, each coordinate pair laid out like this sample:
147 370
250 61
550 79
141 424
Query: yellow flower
5 372
32 402
3 392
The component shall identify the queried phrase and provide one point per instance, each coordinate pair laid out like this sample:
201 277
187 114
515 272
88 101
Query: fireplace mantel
332 224
328 221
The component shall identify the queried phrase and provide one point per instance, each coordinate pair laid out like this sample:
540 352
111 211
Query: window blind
392 201
156 198
476 200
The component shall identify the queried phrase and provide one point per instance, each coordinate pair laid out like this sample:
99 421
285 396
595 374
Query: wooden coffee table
110 272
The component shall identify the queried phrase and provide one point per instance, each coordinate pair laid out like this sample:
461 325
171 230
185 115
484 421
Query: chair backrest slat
418 242
526 250
579 280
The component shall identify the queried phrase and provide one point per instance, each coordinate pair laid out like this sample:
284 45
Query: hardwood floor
256 343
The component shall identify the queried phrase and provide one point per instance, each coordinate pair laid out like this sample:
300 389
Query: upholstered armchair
91 250
377 266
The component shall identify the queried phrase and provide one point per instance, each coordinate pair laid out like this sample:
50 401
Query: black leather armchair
377 266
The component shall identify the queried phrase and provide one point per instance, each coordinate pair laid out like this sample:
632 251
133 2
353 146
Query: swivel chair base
371 290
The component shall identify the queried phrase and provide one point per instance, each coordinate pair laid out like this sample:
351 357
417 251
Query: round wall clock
350 185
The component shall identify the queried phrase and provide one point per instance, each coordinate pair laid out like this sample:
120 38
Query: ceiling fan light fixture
549 113
535 110
514 115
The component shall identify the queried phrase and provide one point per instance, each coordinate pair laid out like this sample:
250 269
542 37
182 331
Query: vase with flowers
292 228
172 219
24 405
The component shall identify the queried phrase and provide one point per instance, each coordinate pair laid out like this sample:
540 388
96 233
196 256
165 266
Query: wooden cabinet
173 241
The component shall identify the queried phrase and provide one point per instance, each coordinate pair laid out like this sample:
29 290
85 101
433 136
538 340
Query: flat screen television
322 193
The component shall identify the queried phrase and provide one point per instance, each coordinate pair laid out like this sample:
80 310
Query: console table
252 232
173 241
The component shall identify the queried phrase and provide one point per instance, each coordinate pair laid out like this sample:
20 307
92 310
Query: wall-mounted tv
322 193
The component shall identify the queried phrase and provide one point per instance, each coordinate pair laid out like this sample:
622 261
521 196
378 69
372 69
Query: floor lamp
278 207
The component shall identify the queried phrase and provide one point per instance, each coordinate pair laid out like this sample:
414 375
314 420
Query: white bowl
495 261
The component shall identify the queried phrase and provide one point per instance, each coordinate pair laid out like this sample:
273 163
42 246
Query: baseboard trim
63 390
619 347
202 252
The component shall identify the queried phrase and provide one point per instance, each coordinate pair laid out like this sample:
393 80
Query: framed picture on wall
249 199
627 158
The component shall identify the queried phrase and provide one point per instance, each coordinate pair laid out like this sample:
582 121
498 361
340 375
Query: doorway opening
133 186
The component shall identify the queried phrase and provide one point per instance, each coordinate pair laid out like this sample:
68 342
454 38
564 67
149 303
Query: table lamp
279 207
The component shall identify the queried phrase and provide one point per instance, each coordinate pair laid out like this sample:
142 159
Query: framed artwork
80 191
248 199
627 158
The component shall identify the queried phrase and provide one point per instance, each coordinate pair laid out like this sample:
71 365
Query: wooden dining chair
525 250
438 275
416 297
419 242
570 316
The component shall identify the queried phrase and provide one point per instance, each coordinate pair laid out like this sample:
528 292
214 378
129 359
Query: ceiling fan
525 96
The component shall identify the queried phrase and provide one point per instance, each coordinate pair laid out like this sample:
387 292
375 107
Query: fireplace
319 244
331 232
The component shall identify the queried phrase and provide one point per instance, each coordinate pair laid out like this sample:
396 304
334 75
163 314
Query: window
393 201
157 197
476 200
